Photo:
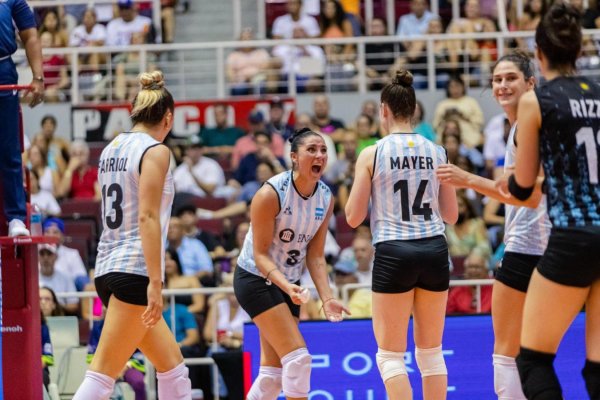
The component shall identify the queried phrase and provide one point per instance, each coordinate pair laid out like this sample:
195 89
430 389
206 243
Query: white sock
175 384
95 386
507 383
267 385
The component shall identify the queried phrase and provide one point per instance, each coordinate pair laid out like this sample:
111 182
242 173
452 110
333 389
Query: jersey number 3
417 208
113 220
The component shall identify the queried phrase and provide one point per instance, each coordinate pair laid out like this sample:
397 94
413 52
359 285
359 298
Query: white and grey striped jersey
405 189
120 247
526 230
297 222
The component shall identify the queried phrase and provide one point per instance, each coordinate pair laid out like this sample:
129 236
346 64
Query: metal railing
197 70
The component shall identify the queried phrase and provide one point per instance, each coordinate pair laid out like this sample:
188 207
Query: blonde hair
153 100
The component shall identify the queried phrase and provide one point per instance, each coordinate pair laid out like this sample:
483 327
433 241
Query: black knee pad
591 375
538 378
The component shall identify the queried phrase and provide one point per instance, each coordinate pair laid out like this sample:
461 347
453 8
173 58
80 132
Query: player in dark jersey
559 125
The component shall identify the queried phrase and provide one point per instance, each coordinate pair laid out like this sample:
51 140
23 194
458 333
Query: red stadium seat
344 239
95 151
80 244
341 226
209 203
82 208
214 226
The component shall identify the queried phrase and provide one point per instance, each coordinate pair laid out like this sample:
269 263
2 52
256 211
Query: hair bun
565 16
297 133
152 80
403 77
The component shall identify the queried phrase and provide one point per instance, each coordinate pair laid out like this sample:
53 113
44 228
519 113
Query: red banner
96 123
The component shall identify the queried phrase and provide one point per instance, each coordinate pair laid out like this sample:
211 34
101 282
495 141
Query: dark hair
338 18
175 257
186 208
457 79
297 138
58 310
263 133
50 118
153 101
399 95
527 9
521 60
559 36
268 164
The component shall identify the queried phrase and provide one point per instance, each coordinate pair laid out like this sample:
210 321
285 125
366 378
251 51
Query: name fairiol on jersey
411 162
113 165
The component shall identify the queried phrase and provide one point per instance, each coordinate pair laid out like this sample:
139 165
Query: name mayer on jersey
113 164
411 162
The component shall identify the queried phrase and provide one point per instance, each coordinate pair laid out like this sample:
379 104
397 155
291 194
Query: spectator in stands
590 17
285 25
89 34
186 334
533 12
120 30
335 24
295 57
358 258
192 253
364 129
42 198
56 148
167 15
127 68
245 66
451 127
227 319
246 171
479 51
189 222
463 299
221 138
68 260
371 108
80 180
468 238
49 304
276 124
48 179
416 22
56 76
51 23
56 280
197 174
342 169
96 310
324 122
264 171
421 126
465 109
247 144
174 279
494 147
379 57
47 353
134 370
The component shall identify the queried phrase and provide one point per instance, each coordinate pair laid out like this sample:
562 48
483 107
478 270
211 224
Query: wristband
521 193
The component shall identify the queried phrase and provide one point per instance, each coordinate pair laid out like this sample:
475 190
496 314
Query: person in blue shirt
16 13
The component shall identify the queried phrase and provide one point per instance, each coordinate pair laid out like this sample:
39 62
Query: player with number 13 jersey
120 247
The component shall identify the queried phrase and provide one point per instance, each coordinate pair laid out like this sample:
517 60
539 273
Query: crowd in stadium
217 171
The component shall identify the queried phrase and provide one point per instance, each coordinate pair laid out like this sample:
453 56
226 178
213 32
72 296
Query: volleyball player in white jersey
526 229
411 269
137 193
289 219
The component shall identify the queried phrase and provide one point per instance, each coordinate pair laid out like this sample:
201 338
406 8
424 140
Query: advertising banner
96 123
344 366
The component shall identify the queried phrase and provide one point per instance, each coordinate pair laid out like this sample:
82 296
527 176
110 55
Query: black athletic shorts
402 265
129 288
572 257
516 269
256 297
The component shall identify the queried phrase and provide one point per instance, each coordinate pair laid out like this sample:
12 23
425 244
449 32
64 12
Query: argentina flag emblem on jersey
319 213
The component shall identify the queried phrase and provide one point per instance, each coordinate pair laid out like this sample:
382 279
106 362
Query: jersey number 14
417 208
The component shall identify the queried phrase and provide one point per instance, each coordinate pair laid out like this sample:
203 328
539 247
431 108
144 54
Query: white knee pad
95 386
431 361
507 383
296 373
267 385
174 384
390 364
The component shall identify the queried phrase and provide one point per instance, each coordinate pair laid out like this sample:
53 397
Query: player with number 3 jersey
411 269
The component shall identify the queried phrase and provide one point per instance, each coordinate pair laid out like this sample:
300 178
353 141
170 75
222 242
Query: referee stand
20 322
